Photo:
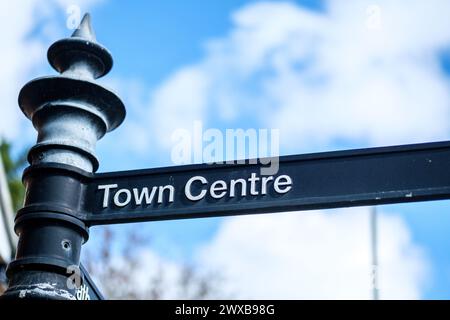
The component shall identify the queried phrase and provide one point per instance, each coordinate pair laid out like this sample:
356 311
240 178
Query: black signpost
65 197
88 290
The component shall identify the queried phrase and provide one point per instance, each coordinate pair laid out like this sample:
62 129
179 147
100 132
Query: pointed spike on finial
85 30
80 52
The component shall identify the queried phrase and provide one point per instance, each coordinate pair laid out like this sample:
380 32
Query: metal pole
71 112
374 251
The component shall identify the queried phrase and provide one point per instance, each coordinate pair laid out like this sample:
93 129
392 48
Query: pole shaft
70 112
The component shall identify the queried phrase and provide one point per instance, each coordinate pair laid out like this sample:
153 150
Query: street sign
314 181
88 290
71 112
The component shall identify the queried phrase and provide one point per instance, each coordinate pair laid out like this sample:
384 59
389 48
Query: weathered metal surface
313 181
71 112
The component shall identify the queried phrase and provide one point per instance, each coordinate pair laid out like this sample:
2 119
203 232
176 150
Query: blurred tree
118 274
13 169
127 274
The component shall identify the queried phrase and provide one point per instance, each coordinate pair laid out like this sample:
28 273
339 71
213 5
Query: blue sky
325 79
163 35
158 38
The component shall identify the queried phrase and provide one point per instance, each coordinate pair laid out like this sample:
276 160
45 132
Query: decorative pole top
85 30
80 54
71 111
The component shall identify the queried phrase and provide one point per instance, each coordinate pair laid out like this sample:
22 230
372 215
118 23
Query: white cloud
298 255
315 255
320 77
145 274
22 55
170 110
17 58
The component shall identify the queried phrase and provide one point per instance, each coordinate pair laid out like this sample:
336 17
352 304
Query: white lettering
214 188
243 187
264 184
213 152
127 200
241 137
181 152
287 182
187 188
197 188
106 187
144 193
253 179
161 193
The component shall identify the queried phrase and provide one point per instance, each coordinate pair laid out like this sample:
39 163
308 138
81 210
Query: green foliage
13 169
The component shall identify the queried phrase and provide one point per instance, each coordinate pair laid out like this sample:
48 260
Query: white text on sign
195 189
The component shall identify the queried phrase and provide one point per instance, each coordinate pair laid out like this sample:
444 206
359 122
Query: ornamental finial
71 111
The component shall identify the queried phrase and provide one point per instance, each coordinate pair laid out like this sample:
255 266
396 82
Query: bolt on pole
70 112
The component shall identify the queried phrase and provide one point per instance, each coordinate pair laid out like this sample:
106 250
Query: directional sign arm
314 181
90 291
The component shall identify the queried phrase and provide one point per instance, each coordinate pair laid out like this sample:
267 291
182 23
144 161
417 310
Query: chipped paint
47 289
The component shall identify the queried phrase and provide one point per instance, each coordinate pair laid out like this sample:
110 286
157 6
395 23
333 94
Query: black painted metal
360 177
325 180
93 291
70 112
